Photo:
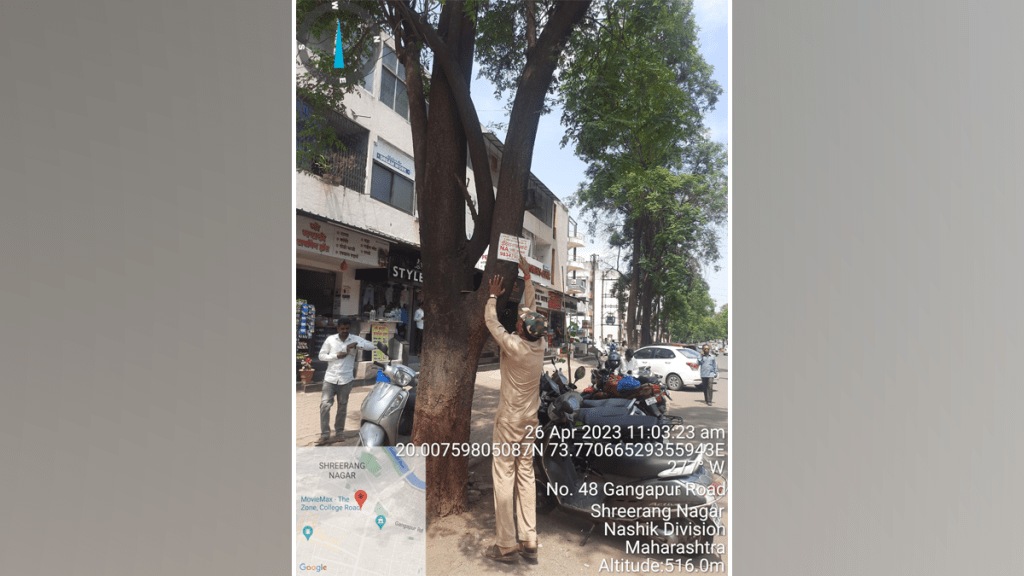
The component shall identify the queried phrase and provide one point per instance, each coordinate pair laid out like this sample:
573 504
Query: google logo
309 567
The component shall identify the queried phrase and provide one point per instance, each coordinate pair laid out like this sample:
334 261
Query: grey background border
876 182
145 160
145 166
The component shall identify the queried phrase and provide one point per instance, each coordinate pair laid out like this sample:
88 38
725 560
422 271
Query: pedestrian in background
522 363
708 372
339 351
403 323
630 365
417 317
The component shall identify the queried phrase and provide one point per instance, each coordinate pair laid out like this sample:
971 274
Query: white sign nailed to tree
510 247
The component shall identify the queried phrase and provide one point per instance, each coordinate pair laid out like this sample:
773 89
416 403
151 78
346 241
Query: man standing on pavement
339 351
522 359
708 372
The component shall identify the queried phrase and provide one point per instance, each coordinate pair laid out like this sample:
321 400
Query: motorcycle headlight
403 376
563 408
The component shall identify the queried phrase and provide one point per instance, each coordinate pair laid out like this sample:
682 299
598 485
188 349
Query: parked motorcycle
651 395
555 383
388 409
624 473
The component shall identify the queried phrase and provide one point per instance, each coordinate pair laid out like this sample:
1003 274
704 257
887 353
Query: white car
677 365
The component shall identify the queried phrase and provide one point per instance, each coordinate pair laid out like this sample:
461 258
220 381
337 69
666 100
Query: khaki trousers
515 491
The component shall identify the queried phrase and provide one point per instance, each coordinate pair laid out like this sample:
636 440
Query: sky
562 172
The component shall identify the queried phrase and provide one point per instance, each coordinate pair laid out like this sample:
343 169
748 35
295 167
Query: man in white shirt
630 365
339 351
418 319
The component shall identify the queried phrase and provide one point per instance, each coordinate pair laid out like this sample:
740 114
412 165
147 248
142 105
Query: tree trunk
645 310
650 259
634 289
454 331
453 321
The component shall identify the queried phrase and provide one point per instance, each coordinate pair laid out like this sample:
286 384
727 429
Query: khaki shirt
521 365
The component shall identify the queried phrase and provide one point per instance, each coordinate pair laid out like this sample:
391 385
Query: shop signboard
390 156
405 267
314 236
541 297
555 300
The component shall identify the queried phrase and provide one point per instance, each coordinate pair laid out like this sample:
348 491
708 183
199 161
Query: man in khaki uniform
522 360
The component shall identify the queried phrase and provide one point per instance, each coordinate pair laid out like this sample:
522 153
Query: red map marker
360 498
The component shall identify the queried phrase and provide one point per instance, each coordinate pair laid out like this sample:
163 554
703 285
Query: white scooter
388 409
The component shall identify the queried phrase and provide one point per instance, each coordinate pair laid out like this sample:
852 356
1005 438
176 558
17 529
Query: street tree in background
520 44
636 116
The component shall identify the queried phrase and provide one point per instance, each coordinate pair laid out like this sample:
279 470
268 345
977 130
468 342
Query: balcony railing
577 264
576 285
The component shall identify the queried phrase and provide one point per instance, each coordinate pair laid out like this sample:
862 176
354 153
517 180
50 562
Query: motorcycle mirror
578 375
382 347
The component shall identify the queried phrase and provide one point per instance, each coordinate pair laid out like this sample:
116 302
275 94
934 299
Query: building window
539 204
391 188
392 84
332 147
369 64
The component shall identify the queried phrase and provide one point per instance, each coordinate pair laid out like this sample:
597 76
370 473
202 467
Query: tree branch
409 54
563 19
468 117
469 200
531 24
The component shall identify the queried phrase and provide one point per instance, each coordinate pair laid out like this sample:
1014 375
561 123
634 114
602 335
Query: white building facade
357 227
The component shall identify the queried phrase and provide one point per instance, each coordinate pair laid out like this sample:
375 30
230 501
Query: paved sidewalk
687 403
307 405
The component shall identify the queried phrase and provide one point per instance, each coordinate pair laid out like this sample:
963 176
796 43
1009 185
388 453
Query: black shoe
323 441
528 552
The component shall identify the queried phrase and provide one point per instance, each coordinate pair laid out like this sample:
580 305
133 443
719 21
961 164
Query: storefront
557 319
328 259
390 295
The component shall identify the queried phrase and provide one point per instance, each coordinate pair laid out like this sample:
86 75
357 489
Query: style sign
510 247
405 267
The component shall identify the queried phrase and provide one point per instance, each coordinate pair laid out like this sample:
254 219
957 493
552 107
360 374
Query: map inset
360 511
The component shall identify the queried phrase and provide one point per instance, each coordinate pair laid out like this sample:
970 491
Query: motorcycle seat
607 402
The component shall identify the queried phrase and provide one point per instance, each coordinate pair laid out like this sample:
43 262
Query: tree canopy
634 97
